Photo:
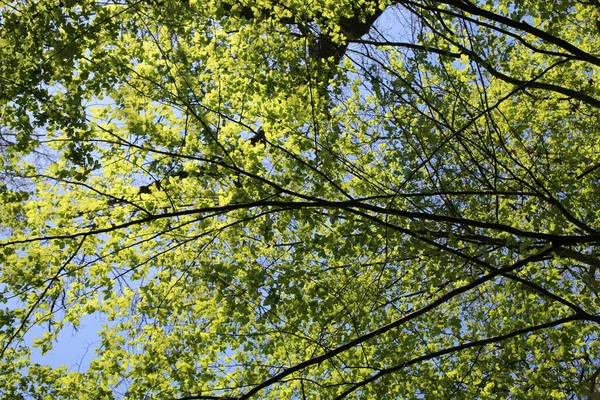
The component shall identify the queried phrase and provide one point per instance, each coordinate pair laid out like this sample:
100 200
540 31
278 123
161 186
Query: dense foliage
301 199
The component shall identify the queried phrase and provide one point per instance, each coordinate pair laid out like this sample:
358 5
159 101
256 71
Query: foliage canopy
292 199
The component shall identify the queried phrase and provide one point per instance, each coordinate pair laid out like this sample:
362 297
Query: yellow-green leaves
290 199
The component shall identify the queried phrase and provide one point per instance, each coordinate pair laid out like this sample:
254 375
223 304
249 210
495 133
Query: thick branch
342 205
471 8
455 349
397 323
354 27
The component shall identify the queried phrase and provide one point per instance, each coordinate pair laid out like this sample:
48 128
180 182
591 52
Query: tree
291 199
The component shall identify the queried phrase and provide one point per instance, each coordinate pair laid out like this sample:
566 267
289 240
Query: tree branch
397 323
461 347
